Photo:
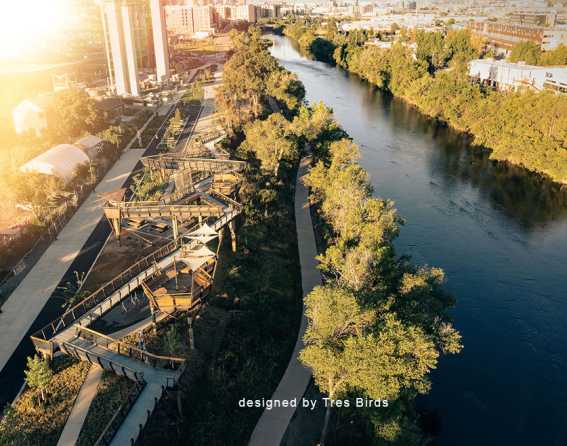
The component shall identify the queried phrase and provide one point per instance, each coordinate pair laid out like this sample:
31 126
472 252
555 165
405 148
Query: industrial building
508 76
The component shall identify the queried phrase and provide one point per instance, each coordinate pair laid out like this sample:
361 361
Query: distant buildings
509 76
386 22
503 35
189 20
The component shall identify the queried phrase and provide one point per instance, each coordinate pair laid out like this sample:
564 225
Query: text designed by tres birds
311 404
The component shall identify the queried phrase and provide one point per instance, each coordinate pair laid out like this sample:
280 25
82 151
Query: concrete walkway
28 299
273 423
74 424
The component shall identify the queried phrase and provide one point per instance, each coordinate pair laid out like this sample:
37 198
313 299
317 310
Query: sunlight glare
24 24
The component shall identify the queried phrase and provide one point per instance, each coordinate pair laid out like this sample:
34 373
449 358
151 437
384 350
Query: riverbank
523 129
498 231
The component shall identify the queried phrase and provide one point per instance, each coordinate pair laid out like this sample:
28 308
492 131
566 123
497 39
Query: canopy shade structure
60 161
204 234
198 257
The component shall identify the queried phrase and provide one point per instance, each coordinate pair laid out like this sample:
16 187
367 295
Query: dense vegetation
531 53
378 324
112 393
38 416
524 128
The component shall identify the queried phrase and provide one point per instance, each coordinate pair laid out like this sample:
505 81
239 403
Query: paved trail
273 423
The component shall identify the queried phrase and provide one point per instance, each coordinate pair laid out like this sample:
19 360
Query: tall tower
160 40
120 38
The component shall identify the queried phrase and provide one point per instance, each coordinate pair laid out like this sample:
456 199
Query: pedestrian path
74 424
28 299
273 423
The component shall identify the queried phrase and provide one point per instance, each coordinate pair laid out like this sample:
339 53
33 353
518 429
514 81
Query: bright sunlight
24 24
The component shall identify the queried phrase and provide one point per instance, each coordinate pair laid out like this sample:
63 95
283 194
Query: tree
270 141
558 56
38 375
37 191
431 49
72 113
334 315
286 88
527 52
241 97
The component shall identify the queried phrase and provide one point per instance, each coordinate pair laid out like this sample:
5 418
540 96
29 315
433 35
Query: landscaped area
29 421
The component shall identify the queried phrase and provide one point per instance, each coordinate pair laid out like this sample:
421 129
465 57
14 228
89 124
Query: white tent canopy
60 161
204 234
198 257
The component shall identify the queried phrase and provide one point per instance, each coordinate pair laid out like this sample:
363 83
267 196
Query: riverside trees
524 128
378 325
250 77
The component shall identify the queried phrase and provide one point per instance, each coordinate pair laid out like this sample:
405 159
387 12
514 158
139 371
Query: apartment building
504 35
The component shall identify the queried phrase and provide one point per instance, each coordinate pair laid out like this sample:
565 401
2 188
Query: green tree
558 56
286 88
527 52
37 191
72 113
271 141
334 315
38 375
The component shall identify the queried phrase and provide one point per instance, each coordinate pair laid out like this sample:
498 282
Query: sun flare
25 24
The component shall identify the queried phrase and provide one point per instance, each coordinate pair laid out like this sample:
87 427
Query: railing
41 337
235 204
170 210
172 161
123 348
116 367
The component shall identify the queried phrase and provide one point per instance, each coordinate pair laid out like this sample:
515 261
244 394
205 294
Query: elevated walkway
175 161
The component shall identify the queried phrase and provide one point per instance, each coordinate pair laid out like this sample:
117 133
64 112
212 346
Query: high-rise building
204 18
245 12
179 19
135 38
160 40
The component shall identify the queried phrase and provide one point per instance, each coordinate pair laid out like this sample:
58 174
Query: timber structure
175 279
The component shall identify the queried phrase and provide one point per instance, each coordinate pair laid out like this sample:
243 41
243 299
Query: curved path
273 423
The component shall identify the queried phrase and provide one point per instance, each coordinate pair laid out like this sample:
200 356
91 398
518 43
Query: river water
499 233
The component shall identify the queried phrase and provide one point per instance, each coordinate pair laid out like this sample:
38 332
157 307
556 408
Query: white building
245 12
60 161
30 116
517 76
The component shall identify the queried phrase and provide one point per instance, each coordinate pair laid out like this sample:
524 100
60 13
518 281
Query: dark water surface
499 233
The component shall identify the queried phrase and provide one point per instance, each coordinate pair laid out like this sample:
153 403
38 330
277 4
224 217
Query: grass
112 392
31 423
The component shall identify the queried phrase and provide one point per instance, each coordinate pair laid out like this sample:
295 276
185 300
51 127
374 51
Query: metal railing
103 293
105 363
123 348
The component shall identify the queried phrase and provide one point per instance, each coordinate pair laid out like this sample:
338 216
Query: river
499 233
